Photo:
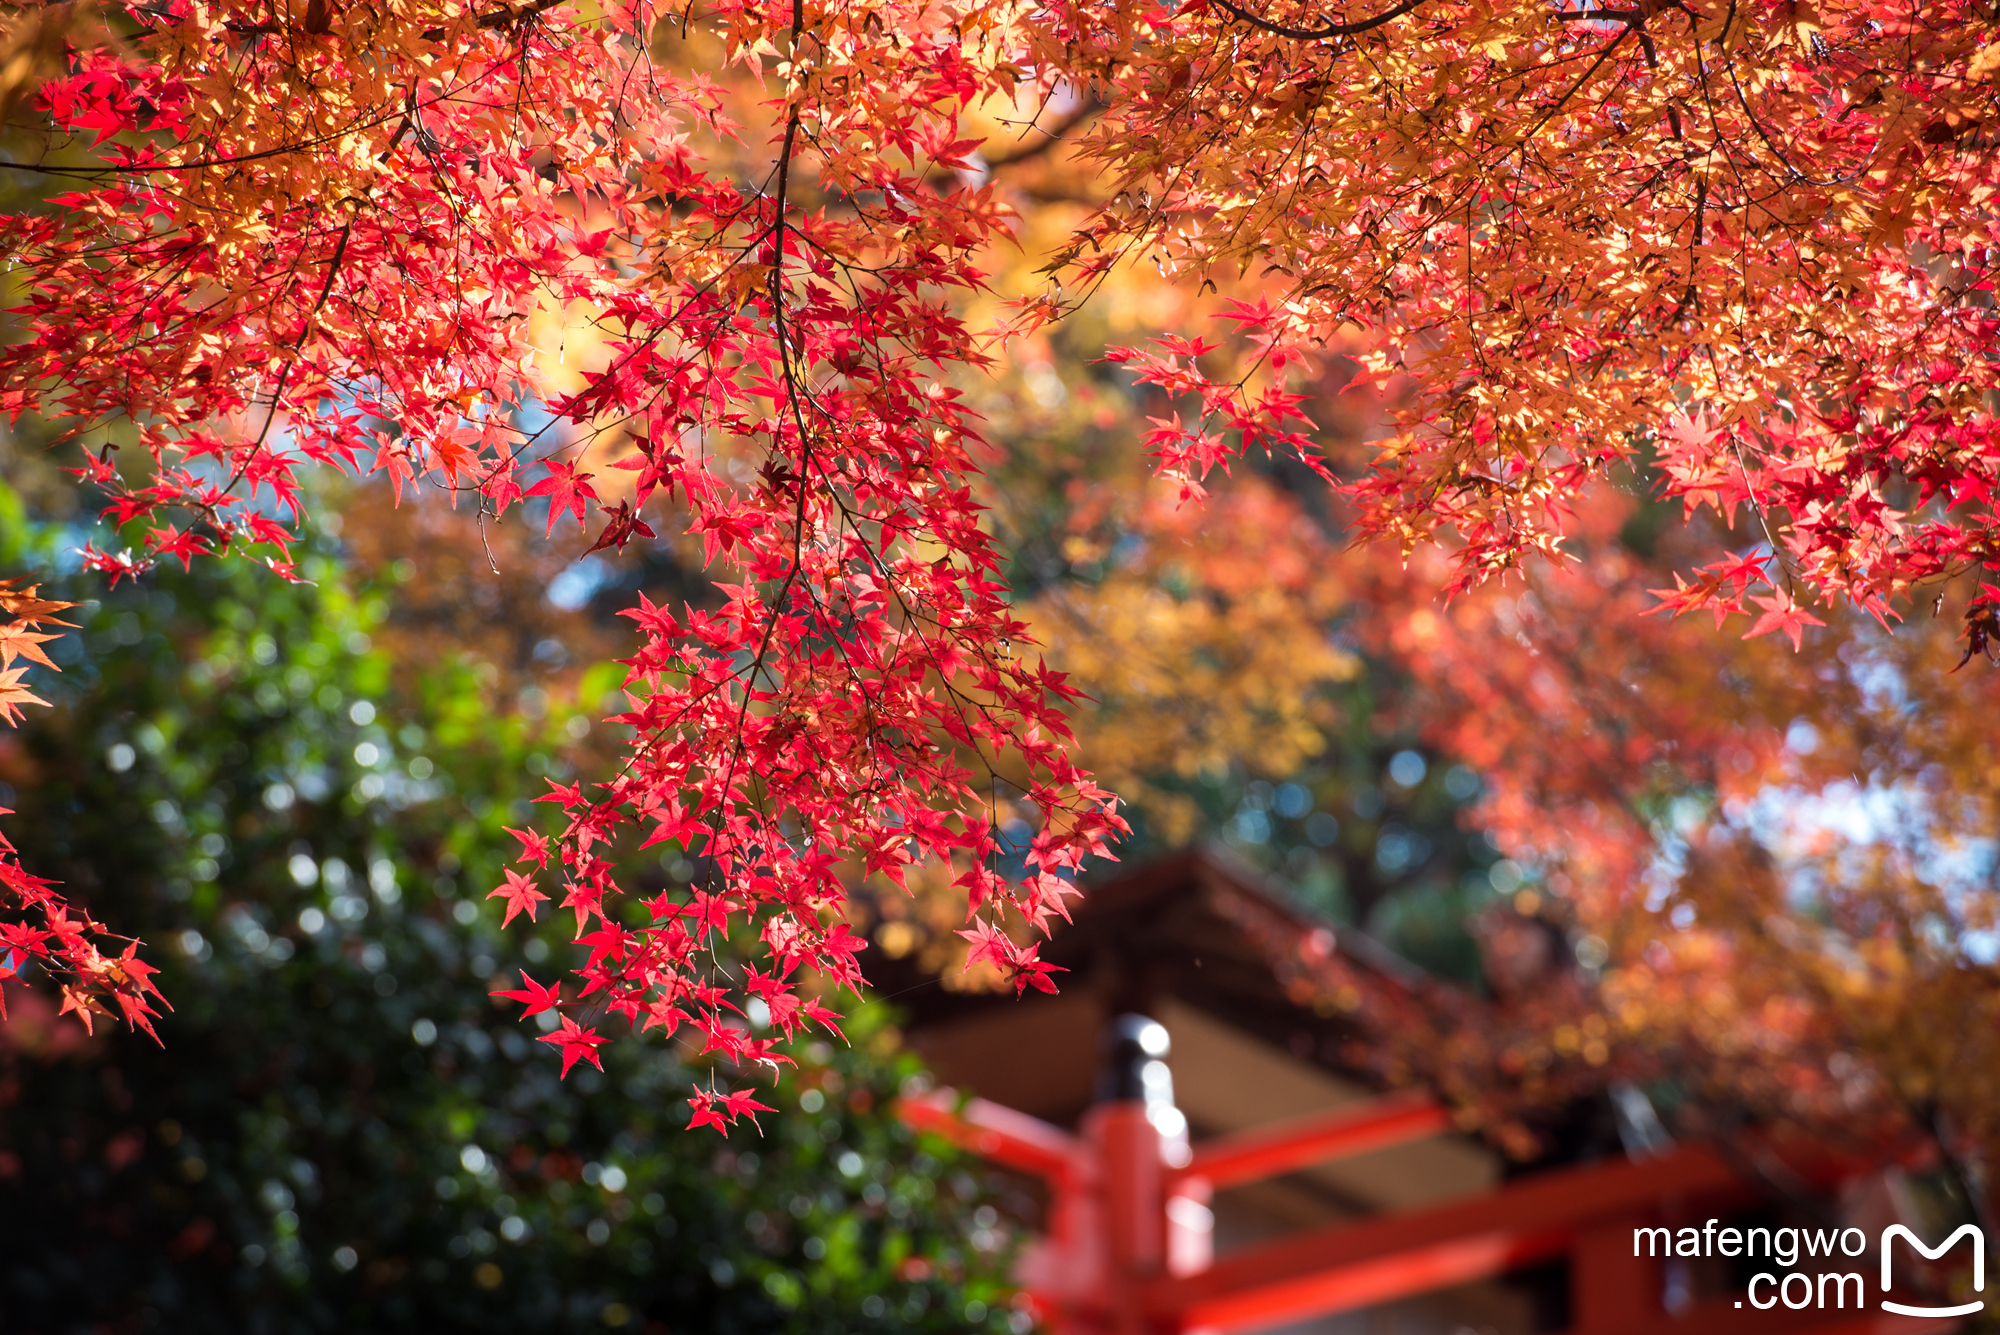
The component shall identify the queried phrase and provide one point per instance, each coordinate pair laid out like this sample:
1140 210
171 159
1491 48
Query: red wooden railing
1128 1248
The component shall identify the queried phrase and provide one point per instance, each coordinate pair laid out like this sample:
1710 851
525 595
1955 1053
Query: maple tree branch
442 97
499 18
960 701
1729 68
277 393
775 284
1088 108
1325 31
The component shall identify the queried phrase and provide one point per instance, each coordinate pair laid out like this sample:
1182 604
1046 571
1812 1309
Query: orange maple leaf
13 695
84 1004
24 604
17 641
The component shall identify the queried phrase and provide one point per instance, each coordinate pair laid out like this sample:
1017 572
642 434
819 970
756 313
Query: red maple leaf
534 996
823 1017
620 529
710 913
660 1012
609 941
520 894
1782 612
137 1012
1032 972
534 847
137 972
500 488
568 797
587 898
577 1043
456 452
705 1114
566 489
989 944
743 1104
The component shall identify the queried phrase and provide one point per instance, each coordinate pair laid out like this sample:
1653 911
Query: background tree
344 1127
1679 865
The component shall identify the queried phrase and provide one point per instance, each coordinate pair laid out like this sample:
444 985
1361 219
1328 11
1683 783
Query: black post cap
1131 1044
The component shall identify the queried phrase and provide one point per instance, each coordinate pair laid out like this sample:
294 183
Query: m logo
1932 1254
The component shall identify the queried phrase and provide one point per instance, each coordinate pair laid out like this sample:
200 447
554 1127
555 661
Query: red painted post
1134 1204
1134 1128
1064 1272
1190 1226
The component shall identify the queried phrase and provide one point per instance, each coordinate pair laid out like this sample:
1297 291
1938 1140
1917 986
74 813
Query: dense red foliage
1750 241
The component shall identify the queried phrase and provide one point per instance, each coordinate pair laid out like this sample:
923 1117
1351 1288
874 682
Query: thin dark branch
1052 136
1325 31
499 18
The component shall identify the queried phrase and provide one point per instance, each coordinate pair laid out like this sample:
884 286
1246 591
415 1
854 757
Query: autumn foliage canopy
1746 243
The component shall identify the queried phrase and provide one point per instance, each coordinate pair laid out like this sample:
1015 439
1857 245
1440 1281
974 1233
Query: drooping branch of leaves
39 927
847 704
